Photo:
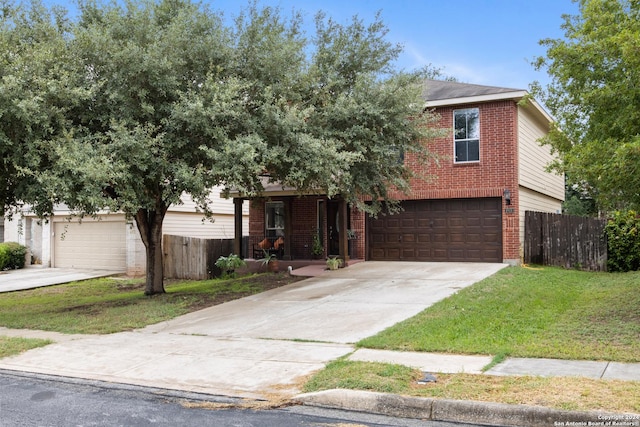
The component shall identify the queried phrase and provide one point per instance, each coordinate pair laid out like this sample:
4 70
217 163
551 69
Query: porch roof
275 189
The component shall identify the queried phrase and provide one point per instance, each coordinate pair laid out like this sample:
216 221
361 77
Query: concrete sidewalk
36 277
454 364
427 362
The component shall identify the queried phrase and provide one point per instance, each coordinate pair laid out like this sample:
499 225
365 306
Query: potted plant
270 261
316 248
229 264
334 263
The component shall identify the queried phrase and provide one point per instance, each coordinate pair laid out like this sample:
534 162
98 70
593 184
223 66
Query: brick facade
304 225
496 171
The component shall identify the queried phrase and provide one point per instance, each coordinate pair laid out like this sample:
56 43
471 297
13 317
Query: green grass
530 312
11 346
567 393
381 377
108 305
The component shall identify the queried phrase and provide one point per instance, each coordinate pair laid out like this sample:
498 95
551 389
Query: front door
333 226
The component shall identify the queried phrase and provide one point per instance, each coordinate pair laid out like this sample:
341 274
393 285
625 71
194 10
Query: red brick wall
496 171
303 222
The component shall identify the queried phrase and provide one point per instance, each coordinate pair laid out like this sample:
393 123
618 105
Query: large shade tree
37 91
172 100
595 97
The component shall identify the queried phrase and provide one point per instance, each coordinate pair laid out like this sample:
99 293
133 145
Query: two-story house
491 169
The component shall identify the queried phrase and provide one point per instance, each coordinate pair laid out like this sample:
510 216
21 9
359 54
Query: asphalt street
40 401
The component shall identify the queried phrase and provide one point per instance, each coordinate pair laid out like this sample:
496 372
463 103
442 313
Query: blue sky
490 42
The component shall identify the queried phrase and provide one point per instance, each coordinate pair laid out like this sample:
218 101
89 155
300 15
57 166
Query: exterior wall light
507 196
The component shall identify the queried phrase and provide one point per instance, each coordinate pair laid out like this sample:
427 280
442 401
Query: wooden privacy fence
565 241
193 258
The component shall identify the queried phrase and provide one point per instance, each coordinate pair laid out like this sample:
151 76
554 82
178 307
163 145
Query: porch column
344 241
237 222
288 228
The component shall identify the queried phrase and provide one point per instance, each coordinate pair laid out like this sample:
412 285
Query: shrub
4 256
229 264
623 241
12 255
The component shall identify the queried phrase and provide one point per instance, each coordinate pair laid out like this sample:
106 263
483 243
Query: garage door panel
492 238
456 222
474 222
377 238
440 237
439 206
393 253
99 244
474 238
438 223
474 254
378 253
439 254
392 237
393 223
408 253
423 223
440 230
408 238
458 238
423 238
408 223
491 222
456 254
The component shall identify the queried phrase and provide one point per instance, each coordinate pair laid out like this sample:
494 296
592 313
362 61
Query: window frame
274 231
457 140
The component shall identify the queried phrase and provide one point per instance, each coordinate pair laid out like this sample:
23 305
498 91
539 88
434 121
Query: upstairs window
466 135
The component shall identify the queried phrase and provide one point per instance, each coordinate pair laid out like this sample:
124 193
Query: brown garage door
439 230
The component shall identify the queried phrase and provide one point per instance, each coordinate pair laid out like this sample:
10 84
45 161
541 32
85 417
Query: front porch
300 228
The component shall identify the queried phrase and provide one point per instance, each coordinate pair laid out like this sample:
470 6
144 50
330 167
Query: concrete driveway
37 277
264 344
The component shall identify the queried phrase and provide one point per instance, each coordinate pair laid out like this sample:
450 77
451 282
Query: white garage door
100 244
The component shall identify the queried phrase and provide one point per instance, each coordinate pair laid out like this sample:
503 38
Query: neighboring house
492 169
111 241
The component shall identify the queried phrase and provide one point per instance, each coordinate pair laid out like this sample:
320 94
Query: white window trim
464 162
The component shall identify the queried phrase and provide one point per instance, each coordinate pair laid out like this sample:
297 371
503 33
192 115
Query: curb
460 411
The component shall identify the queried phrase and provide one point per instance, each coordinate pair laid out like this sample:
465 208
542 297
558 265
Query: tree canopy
595 97
137 103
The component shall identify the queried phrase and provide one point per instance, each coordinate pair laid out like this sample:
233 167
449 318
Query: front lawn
566 393
103 306
530 312
521 312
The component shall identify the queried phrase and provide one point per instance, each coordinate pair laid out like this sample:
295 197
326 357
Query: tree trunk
150 227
